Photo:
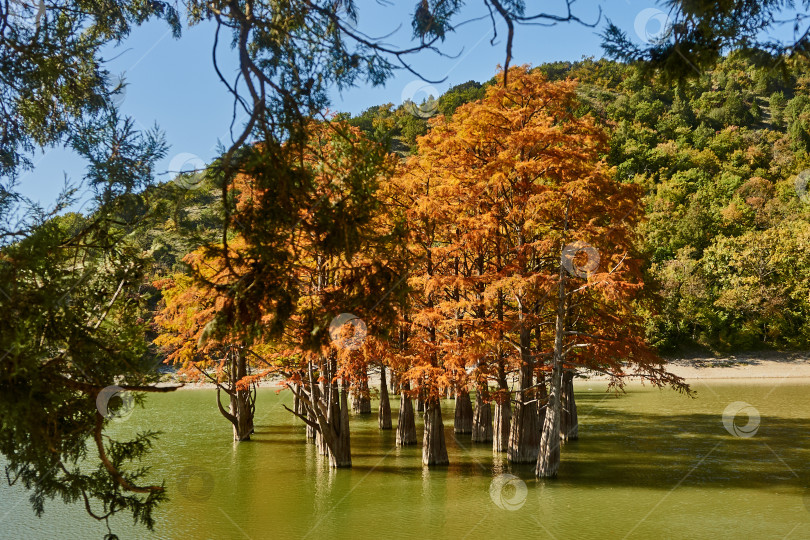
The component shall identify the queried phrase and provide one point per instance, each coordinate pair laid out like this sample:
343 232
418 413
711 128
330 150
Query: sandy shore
744 366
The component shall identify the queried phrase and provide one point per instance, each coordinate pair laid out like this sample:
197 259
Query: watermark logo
801 183
731 423
195 483
115 403
356 334
420 99
190 170
572 259
508 492
652 25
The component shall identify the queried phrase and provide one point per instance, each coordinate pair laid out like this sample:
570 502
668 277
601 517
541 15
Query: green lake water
649 464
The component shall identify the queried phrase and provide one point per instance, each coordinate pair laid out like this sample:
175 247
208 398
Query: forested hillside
727 235
721 160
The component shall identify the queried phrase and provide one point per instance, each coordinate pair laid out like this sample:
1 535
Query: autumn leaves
496 259
525 256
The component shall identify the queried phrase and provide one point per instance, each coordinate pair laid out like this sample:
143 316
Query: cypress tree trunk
434 448
542 391
315 393
548 460
330 412
503 414
337 439
482 419
324 430
569 430
524 435
406 425
463 420
420 401
503 399
340 455
297 402
395 383
252 405
361 402
384 415
542 400
240 407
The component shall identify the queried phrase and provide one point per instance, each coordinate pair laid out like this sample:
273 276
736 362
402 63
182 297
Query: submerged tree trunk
252 405
296 401
320 438
241 406
569 430
503 425
503 415
524 435
406 424
548 460
314 393
337 436
326 411
434 448
340 454
463 420
482 419
384 415
361 402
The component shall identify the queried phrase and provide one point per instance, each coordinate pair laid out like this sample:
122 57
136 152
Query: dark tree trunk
406 424
340 454
524 435
361 402
482 419
241 407
434 448
315 394
337 438
384 415
252 405
548 460
420 401
463 420
569 430
542 391
395 383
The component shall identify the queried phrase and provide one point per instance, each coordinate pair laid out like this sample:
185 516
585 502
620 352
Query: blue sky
172 83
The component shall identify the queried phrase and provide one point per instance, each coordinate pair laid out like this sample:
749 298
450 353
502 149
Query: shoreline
749 367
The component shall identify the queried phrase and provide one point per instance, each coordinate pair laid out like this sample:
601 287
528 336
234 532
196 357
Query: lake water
649 464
